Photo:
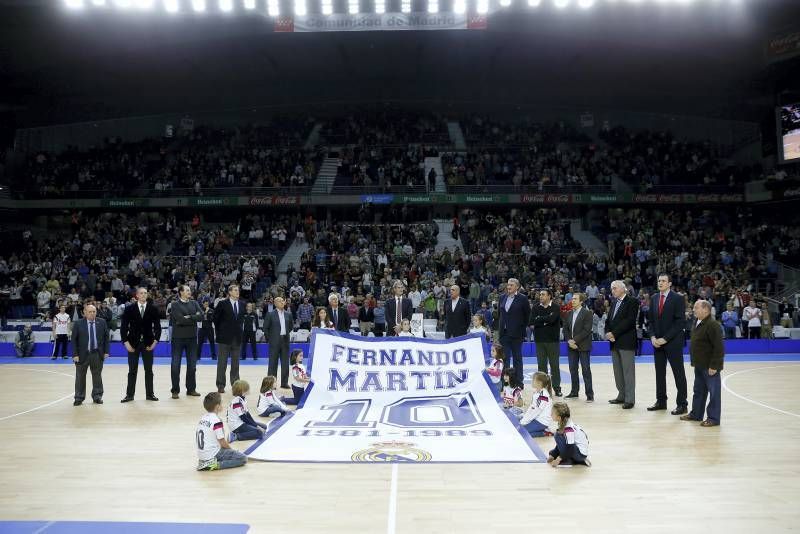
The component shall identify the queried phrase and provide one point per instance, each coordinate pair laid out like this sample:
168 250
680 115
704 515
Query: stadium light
144 4
380 7
273 8
534 3
405 7
352 7
123 4
249 4
561 4
299 7
433 6
460 6
505 3
327 7
199 6
483 7
98 3
226 6
585 4
73 4
171 6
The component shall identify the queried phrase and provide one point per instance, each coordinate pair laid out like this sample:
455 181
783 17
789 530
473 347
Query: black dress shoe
127 399
192 393
616 401
589 399
572 395
77 403
152 398
221 390
679 410
558 392
98 401
656 407
627 406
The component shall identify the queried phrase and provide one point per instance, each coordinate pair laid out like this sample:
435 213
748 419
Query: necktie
661 304
141 309
235 310
398 318
616 308
336 317
92 339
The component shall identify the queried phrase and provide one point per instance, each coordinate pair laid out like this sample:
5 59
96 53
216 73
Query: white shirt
298 371
207 434
575 314
282 321
539 410
575 435
235 307
236 410
753 316
509 301
265 400
453 304
61 322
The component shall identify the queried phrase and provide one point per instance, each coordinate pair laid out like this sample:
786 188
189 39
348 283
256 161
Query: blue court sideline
99 527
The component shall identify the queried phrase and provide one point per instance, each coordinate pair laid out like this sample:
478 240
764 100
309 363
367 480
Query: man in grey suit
184 314
578 333
277 327
621 333
91 340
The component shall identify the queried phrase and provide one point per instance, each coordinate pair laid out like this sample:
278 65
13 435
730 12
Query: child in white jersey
572 443
405 329
537 419
495 368
511 393
243 426
268 401
213 450
298 378
479 326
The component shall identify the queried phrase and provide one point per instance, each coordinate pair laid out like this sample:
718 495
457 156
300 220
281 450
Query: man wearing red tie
666 320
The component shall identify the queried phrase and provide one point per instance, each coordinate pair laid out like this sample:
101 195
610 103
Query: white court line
729 390
392 520
45 527
43 405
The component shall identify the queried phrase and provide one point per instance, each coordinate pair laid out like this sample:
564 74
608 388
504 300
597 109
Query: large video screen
790 132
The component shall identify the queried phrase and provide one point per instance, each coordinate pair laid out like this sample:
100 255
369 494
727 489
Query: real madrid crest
392 451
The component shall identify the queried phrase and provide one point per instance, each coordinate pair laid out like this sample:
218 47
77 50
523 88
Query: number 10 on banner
453 411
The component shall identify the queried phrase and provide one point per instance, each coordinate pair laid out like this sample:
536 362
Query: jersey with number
575 435
61 321
207 435
495 370
236 410
298 371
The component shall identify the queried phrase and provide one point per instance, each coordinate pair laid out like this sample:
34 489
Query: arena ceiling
706 60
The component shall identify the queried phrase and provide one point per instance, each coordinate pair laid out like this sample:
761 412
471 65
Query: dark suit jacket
343 321
583 329
272 327
406 310
80 338
706 348
512 323
671 322
136 329
623 324
546 323
229 326
456 323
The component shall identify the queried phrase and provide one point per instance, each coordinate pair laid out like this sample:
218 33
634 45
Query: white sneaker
587 462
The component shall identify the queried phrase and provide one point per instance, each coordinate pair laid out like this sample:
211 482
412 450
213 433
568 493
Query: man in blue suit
515 311
667 320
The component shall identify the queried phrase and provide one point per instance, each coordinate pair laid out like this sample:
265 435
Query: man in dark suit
515 311
546 319
277 328
666 320
229 323
337 315
621 332
707 355
91 340
140 332
397 308
578 333
249 329
457 316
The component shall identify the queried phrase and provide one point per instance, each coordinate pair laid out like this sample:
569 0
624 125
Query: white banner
397 400
343 22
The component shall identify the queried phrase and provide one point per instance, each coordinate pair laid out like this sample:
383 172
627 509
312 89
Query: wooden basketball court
651 472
